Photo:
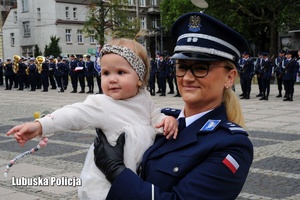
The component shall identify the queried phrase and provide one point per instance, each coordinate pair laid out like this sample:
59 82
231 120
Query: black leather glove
109 159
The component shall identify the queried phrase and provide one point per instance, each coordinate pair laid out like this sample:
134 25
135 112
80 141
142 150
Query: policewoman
212 155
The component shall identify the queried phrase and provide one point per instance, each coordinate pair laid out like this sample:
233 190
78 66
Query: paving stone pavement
273 127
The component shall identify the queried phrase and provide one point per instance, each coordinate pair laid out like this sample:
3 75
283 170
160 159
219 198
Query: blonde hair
232 103
139 50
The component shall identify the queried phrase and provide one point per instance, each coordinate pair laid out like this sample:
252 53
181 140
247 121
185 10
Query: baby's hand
170 125
24 132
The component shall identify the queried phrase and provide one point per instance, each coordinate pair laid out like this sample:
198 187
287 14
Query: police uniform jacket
45 68
278 66
267 69
162 69
89 68
81 73
52 68
193 166
59 68
153 69
65 68
170 68
32 69
22 68
72 66
247 71
290 71
8 70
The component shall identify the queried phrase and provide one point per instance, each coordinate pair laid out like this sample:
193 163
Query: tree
53 47
109 18
258 21
37 51
170 10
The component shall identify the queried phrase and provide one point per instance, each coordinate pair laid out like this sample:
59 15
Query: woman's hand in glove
109 159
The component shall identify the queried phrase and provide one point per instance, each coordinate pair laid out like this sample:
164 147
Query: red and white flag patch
231 163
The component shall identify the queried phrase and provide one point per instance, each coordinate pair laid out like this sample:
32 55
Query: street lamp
200 3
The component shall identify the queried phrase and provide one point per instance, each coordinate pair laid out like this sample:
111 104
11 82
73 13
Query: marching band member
73 73
9 74
89 74
32 70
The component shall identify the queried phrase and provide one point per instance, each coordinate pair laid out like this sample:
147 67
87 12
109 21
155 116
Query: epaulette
171 112
233 128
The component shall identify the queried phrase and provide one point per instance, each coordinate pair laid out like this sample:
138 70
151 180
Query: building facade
5 6
33 22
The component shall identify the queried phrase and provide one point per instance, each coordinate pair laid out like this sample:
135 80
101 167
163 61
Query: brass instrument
16 63
27 70
39 61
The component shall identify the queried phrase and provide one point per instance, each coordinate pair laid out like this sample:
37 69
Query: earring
226 86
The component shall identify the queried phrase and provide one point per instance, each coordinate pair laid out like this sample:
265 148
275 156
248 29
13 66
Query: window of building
12 39
130 20
15 17
143 23
130 2
38 14
27 51
92 38
8 2
25 6
68 36
79 36
154 23
26 29
75 13
153 2
67 13
142 3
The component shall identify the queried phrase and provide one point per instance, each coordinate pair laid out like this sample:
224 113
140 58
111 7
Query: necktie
181 124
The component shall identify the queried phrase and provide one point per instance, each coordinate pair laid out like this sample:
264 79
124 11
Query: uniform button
176 169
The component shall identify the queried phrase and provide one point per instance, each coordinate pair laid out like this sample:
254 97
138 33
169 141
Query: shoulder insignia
233 128
210 125
171 112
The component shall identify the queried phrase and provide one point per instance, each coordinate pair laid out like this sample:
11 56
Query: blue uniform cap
281 51
201 37
288 52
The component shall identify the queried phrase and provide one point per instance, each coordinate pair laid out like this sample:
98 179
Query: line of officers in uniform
162 72
284 68
43 73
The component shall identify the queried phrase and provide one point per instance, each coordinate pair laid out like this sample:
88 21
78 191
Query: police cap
201 37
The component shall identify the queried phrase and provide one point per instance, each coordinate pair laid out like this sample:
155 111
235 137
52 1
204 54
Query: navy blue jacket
72 66
247 71
266 72
192 166
8 70
81 73
89 68
290 71
162 68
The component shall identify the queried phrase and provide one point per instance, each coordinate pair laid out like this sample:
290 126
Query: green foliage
172 9
53 48
259 21
108 18
37 51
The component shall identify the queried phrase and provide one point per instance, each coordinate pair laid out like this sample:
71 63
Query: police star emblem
194 23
